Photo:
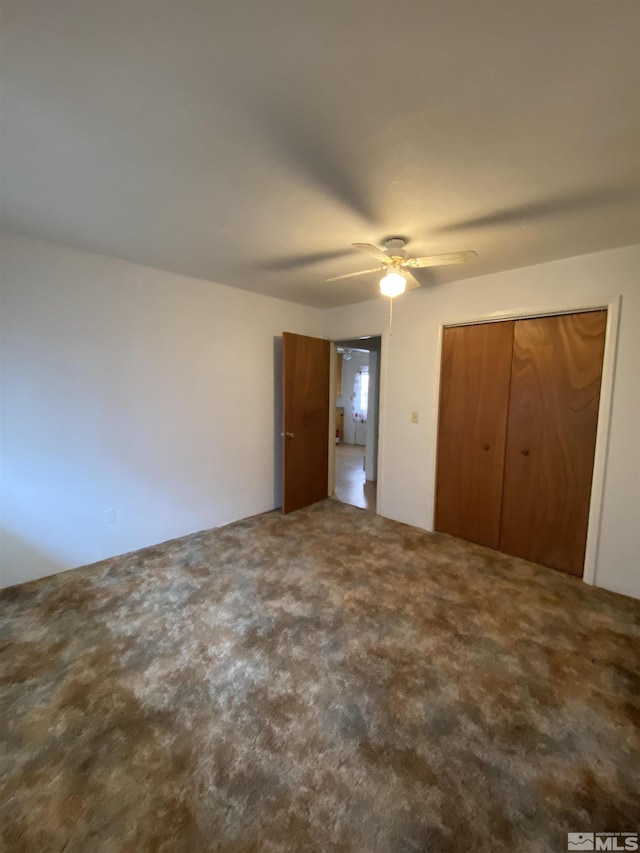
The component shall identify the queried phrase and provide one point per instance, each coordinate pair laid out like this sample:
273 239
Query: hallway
351 486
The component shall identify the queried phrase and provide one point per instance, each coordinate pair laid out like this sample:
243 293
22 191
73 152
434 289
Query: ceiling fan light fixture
393 284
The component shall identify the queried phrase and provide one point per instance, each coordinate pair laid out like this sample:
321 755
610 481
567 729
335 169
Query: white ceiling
250 143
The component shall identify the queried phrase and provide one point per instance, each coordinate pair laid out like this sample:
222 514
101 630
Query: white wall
131 388
410 364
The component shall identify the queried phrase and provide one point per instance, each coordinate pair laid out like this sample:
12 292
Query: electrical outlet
414 417
110 516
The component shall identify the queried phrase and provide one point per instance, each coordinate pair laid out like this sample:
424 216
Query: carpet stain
324 681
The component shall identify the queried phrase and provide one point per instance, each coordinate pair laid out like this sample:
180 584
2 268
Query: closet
516 434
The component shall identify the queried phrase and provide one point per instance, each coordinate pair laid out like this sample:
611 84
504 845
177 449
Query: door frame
382 373
604 409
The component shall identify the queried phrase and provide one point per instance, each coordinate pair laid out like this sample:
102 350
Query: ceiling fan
397 266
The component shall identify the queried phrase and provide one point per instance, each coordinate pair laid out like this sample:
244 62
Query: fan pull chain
390 316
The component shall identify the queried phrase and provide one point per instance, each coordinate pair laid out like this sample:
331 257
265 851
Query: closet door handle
525 452
485 447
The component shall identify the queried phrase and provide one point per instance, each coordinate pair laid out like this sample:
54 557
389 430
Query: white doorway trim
613 308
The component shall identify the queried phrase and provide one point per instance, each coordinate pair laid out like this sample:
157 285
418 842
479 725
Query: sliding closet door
553 411
474 399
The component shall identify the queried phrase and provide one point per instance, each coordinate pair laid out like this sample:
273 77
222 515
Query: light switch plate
414 417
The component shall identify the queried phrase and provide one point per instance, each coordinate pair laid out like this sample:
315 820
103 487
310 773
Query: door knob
288 434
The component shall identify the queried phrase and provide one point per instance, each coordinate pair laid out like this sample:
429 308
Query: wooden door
306 420
339 361
553 412
474 399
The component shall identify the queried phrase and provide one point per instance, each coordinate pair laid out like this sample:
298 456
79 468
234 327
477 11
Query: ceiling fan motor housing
394 247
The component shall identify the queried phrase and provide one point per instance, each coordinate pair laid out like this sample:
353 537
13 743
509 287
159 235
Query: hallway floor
351 486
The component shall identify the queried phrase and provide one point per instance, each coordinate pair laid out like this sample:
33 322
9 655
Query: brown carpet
325 681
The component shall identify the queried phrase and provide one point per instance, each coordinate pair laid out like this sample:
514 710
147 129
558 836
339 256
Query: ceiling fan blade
373 250
412 281
352 274
440 260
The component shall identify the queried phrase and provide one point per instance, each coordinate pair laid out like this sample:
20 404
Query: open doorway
357 402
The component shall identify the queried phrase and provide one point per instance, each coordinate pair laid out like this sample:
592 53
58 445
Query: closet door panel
474 398
553 411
